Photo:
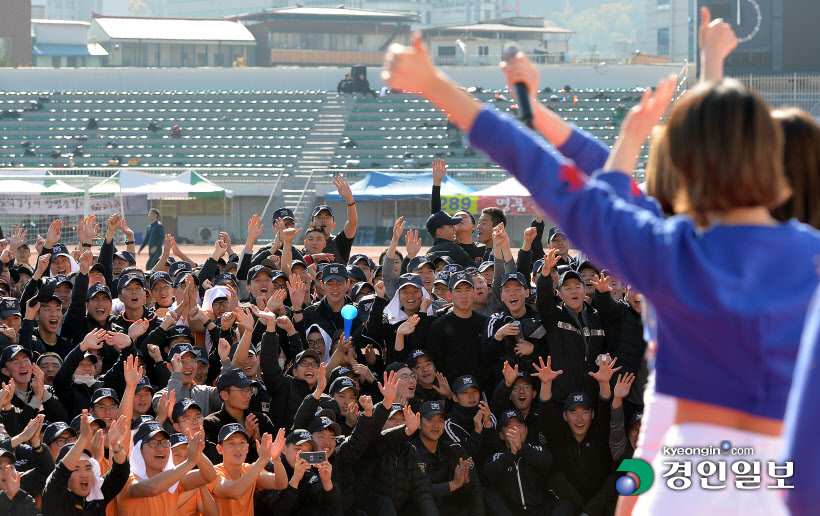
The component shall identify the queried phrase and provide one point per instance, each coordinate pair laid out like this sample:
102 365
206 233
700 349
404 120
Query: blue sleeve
587 210
587 151
627 189
803 419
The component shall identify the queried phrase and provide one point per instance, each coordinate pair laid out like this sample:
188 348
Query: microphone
521 94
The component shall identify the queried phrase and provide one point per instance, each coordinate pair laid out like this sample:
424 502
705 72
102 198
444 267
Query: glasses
318 343
62 441
522 388
188 362
409 376
165 443
106 408
277 286
309 363
162 288
247 391
192 419
220 305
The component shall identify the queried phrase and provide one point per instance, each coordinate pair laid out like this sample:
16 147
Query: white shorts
660 499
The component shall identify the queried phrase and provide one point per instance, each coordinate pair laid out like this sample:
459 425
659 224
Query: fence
798 90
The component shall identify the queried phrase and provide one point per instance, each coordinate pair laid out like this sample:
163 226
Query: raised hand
117 432
227 238
500 237
194 451
325 472
545 372
380 289
252 427
12 479
31 432
278 444
244 318
38 385
6 393
17 238
98 445
408 326
529 235
255 228
220 248
412 243
510 373
132 371
550 260
513 439
398 228
367 405
364 371
286 324
439 171
224 349
54 233
443 386
137 329
412 421
276 303
297 290
623 385
601 283
128 232
94 339
340 182
300 467
389 388
42 265
86 261
520 69
290 234
86 434
605 370
154 353
508 330
113 223
321 382
408 68
716 40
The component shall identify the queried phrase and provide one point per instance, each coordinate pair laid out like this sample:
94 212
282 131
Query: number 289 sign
454 203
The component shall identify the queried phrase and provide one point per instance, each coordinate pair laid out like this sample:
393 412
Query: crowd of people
466 380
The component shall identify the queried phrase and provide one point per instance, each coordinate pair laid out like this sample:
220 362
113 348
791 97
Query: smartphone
314 458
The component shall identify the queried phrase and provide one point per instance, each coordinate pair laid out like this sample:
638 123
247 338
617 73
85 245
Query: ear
5 371
559 295
248 287
170 367
223 395
218 448
565 415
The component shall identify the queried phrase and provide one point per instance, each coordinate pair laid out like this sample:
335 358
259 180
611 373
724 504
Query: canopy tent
187 185
9 185
400 185
509 195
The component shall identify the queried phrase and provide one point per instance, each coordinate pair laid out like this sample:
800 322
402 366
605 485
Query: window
446 51
484 50
5 47
663 42
663 5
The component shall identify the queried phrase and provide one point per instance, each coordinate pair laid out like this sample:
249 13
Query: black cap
148 430
439 219
415 355
93 290
395 366
300 436
257 269
307 353
568 275
9 306
283 213
577 398
554 230
357 288
460 277
442 277
75 423
105 392
126 256
418 262
177 267
485 265
234 378
463 383
179 278
452 267
161 276
60 279
219 279
179 330
60 250
525 376
8 454
177 439
335 271
410 279
6 286
636 419
144 384
235 346
98 267
55 429
92 356
356 273
504 418
339 372
182 406
321 207
46 292
128 278
144 418
356 258
12 351
230 429
515 276
536 268
428 409
201 354
343 383
395 408
321 423
586 264
443 258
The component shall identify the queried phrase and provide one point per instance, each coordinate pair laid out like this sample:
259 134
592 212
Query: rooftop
169 29
340 12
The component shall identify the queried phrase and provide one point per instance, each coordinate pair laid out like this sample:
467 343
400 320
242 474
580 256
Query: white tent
187 185
506 188
29 184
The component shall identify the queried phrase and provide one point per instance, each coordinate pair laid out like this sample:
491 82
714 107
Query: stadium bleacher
258 129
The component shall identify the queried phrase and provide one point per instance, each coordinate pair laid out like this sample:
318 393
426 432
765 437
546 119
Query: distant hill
609 28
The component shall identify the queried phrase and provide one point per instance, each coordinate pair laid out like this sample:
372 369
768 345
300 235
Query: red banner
509 204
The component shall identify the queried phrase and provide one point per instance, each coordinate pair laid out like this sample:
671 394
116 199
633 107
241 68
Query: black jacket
572 350
21 505
500 402
440 466
16 419
216 420
348 451
59 501
286 392
443 247
380 329
320 313
521 478
309 498
495 352
150 316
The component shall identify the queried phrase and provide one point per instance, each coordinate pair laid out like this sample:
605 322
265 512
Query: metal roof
501 27
328 12
67 50
174 29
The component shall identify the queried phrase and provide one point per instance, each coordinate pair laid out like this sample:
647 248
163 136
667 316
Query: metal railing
798 90
468 176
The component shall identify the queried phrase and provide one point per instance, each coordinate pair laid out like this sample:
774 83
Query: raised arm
716 40
340 182
439 172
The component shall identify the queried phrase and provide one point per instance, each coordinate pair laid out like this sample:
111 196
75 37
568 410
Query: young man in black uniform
322 217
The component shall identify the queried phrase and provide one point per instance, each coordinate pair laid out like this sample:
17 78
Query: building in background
38 9
325 35
172 42
81 10
482 44
671 30
63 44
15 32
